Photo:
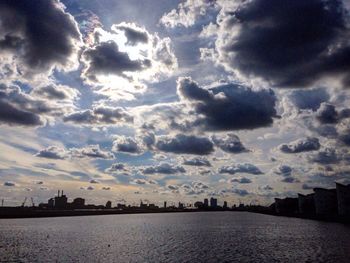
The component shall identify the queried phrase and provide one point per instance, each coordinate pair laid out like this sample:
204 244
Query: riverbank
324 218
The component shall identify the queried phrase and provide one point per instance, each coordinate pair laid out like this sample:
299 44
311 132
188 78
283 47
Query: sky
163 100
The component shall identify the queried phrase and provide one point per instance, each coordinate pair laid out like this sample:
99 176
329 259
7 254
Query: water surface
176 237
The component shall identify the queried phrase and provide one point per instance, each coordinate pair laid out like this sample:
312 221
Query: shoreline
33 213
18 213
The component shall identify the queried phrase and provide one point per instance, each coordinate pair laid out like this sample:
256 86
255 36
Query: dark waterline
182 237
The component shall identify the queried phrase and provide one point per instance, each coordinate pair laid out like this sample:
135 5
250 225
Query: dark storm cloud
133 33
290 180
148 139
240 168
240 192
100 115
309 99
326 156
21 108
242 180
41 39
127 145
283 170
327 113
105 58
32 108
326 130
139 181
301 145
185 144
344 137
14 116
230 143
290 43
164 168
93 181
286 172
229 106
91 151
9 184
117 167
307 187
52 152
197 161
344 113
56 92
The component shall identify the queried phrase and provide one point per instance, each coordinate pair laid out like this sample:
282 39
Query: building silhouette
51 202
322 203
343 198
61 200
78 203
325 201
306 203
213 202
286 206
109 205
206 202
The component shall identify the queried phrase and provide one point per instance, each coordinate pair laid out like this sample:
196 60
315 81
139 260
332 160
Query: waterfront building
51 203
164 204
152 206
206 202
343 198
61 200
225 205
306 203
213 202
286 206
325 201
109 205
78 203
121 206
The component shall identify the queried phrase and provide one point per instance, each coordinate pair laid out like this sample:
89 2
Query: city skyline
173 101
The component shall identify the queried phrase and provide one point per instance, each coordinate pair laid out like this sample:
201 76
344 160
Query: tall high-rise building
213 202
343 196
206 202
325 201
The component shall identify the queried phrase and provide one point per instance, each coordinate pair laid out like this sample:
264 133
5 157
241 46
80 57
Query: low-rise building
78 203
286 206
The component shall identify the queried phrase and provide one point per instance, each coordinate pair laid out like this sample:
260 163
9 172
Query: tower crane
24 202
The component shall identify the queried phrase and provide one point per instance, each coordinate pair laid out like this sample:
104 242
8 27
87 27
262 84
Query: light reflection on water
181 237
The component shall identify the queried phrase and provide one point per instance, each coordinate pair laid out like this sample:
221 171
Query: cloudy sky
160 100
